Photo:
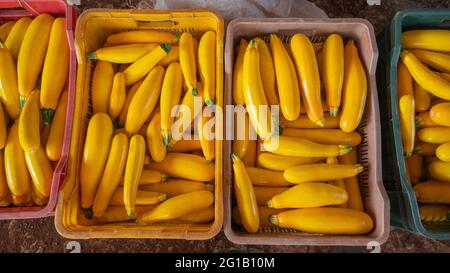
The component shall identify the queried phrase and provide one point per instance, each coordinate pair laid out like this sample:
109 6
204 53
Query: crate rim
394 55
371 69
216 226
59 172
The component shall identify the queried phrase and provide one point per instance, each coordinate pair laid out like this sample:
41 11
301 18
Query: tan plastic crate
375 198
93 27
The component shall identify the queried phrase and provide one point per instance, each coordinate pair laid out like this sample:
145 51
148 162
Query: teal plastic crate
404 207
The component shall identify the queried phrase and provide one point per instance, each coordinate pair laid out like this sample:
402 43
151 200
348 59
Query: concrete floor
39 235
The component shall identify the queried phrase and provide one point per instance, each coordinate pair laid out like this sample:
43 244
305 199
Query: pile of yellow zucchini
303 174
423 86
34 65
132 168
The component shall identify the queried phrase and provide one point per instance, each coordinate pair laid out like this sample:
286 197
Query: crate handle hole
445 23
20 6
156 24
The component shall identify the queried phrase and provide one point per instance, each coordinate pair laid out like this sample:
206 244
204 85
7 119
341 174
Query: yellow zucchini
321 172
351 184
267 72
190 107
121 54
40 170
280 163
15 36
54 144
174 187
427 39
354 89
130 94
443 152
170 97
264 194
185 145
118 95
155 142
144 101
404 81
38 199
34 47
150 177
434 213
206 132
19 181
415 166
142 198
433 192
56 69
179 165
287 82
114 169
435 135
3 128
245 196
325 136
188 61
95 154
308 73
238 94
440 170
5 29
207 65
267 178
424 148
422 98
9 93
333 71
5 193
141 37
102 81
29 121
253 90
199 216
172 56
133 170
303 122
325 221
145 64
309 195
338 182
264 213
406 110
24 200
241 134
430 81
178 206
114 214
440 114
424 120
436 60
249 159
293 146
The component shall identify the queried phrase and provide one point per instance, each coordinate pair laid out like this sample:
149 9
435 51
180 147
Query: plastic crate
14 10
404 207
375 197
93 28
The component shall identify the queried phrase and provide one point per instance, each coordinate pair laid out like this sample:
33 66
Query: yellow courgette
133 171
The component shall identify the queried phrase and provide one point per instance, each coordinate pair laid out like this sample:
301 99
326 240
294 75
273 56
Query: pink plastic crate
13 10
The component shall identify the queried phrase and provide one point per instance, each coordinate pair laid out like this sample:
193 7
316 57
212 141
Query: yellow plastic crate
93 27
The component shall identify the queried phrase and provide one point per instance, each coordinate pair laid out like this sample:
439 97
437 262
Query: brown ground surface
40 235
